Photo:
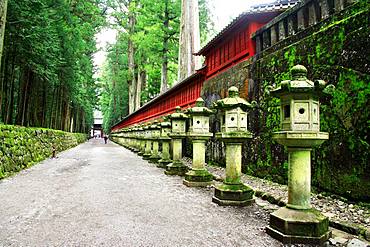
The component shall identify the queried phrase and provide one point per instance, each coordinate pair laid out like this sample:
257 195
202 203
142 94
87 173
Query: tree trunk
132 83
3 11
189 39
141 81
25 97
164 76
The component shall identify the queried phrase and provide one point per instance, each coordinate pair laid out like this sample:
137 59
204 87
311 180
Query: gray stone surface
97 194
357 243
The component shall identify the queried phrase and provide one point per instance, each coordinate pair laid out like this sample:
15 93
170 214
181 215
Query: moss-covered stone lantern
127 139
155 135
141 140
166 140
198 176
135 142
148 142
178 132
298 222
233 111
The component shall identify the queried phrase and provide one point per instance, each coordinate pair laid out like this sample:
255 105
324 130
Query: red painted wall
236 47
183 95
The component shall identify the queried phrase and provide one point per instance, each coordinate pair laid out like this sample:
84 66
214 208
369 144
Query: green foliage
155 36
113 84
334 54
47 74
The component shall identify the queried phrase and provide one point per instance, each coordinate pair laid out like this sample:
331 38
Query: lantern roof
165 124
299 83
232 101
178 114
154 125
199 108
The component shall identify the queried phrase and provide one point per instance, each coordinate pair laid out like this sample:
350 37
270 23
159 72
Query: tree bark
3 12
141 80
25 97
189 39
164 76
132 83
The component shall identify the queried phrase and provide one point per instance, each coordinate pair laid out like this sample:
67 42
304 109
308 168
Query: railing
303 15
183 94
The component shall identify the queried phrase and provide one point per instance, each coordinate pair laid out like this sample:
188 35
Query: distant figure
53 152
105 139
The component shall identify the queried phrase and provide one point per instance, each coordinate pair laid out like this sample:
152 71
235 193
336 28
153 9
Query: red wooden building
228 48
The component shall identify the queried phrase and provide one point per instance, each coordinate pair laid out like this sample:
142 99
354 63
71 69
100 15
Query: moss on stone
23 147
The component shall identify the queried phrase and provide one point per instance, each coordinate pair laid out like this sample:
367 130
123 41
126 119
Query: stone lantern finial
299 72
233 92
199 102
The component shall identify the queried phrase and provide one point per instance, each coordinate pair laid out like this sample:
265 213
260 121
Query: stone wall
336 50
22 147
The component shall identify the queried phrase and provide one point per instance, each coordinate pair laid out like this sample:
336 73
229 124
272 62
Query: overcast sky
223 11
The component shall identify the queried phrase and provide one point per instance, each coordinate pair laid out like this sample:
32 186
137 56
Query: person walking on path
105 139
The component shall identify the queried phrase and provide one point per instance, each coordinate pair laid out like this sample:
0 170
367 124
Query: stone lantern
178 132
125 137
155 135
135 147
199 134
130 139
233 133
166 140
141 140
298 222
148 142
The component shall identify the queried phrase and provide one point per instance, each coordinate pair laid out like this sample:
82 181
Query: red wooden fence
183 94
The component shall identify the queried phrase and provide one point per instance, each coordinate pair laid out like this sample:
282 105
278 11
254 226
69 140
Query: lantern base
198 178
154 158
233 195
163 163
176 168
146 156
292 226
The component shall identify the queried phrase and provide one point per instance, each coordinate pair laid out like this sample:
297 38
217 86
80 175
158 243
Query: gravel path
98 194
337 210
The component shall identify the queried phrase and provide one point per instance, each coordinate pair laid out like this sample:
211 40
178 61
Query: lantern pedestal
298 222
148 150
198 176
233 195
176 167
304 226
166 159
155 153
141 147
232 192
135 148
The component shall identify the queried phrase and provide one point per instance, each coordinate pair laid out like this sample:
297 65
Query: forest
143 61
47 73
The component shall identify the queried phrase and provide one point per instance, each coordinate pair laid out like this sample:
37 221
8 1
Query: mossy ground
21 147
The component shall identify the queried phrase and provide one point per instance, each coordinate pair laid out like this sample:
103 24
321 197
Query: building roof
277 6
